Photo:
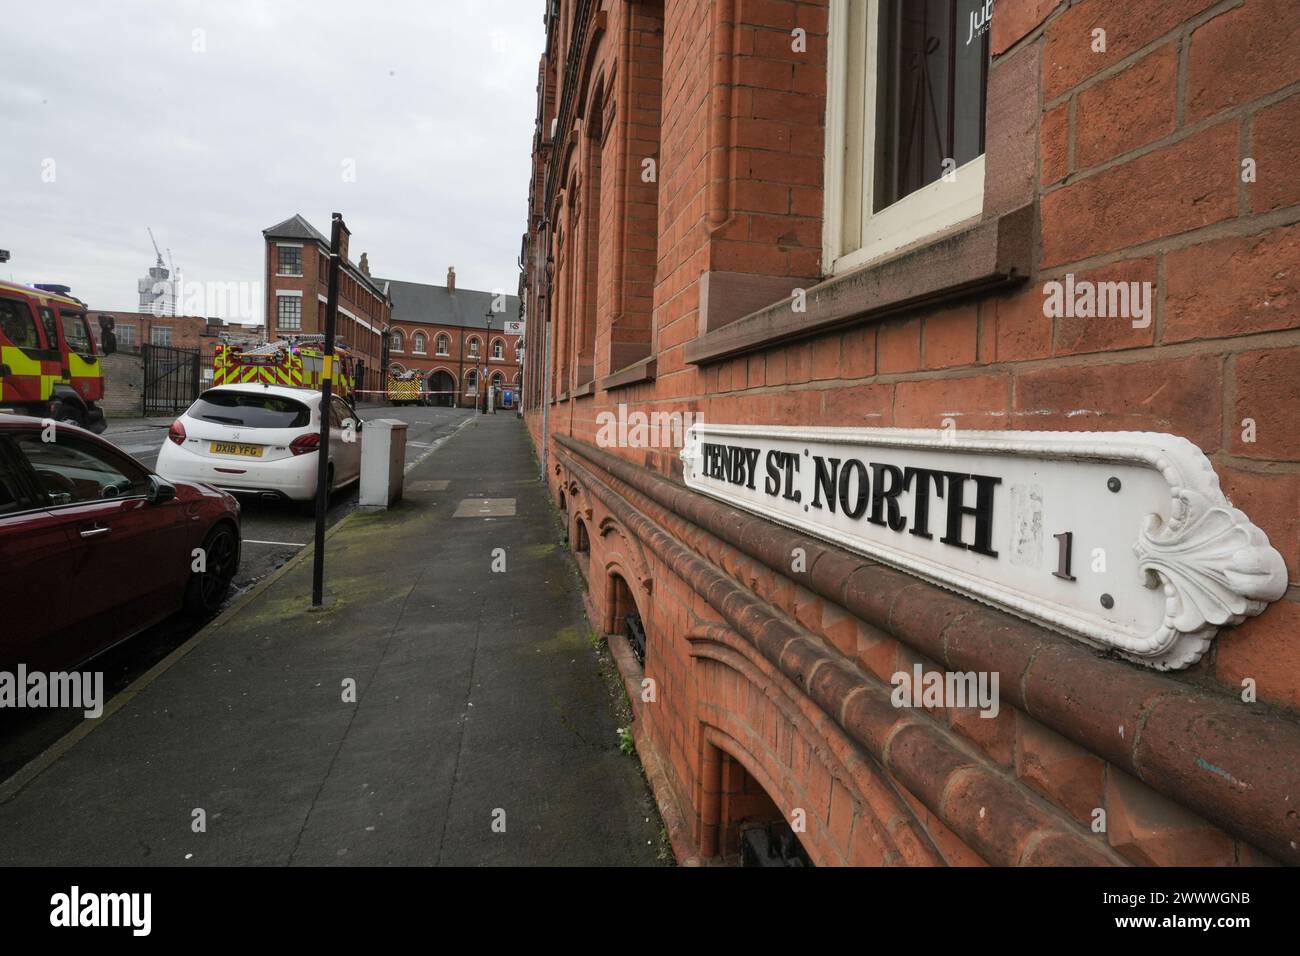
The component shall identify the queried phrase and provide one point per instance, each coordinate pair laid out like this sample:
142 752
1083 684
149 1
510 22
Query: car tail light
176 434
305 443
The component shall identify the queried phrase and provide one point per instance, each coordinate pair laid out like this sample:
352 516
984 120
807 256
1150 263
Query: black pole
487 367
326 391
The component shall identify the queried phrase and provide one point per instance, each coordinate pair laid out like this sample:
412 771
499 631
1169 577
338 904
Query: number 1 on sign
1065 540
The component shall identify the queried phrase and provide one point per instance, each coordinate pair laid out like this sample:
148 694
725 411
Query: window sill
994 252
640 371
585 389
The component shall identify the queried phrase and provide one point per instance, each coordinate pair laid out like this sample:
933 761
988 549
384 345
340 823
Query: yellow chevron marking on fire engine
19 362
81 368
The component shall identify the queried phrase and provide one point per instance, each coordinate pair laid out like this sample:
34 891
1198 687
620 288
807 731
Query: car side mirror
159 491
107 338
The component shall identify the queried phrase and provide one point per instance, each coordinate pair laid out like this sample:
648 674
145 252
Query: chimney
365 264
451 278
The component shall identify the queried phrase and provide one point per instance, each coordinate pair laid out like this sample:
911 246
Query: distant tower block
157 289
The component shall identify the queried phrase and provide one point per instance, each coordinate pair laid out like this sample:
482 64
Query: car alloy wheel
208 587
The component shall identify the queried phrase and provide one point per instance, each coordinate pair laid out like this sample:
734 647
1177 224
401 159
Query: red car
95 548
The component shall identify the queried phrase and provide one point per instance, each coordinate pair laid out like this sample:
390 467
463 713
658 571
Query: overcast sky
210 121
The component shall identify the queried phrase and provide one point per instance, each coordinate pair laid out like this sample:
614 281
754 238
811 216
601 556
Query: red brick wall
188 331
458 361
1131 160
354 297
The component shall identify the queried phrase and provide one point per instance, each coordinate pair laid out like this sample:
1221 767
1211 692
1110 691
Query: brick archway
731 795
758 718
442 383
620 598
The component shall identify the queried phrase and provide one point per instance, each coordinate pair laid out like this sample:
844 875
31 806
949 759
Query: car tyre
207 589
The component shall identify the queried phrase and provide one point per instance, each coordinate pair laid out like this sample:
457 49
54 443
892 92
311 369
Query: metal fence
171 379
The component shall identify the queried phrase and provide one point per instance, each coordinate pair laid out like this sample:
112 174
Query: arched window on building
471 382
473 348
498 349
398 341
417 343
442 343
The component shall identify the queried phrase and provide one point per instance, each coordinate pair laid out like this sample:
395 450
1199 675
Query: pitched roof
435 304
295 227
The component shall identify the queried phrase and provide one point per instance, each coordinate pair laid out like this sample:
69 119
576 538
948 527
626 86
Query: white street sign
1121 539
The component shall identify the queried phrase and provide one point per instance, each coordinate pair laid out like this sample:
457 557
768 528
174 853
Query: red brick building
134 329
297 285
889 216
137 329
458 336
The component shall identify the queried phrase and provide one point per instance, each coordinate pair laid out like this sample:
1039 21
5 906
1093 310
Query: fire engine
405 386
49 359
297 362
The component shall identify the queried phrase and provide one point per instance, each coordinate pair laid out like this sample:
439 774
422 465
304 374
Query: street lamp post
328 371
487 359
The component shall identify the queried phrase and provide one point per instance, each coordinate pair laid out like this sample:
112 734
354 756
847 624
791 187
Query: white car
261 440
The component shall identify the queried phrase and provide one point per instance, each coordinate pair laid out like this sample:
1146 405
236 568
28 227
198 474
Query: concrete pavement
479 731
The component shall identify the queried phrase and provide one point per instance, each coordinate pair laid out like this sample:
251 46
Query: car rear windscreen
250 409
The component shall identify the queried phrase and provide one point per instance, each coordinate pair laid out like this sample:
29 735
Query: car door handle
95 532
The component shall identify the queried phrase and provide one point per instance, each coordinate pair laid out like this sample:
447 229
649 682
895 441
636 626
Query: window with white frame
442 343
290 263
498 349
397 342
418 342
904 123
160 335
125 336
473 348
471 382
288 313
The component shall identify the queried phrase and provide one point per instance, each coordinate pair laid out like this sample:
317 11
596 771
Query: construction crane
156 250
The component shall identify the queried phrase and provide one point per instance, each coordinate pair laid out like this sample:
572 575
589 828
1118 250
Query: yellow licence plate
230 448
